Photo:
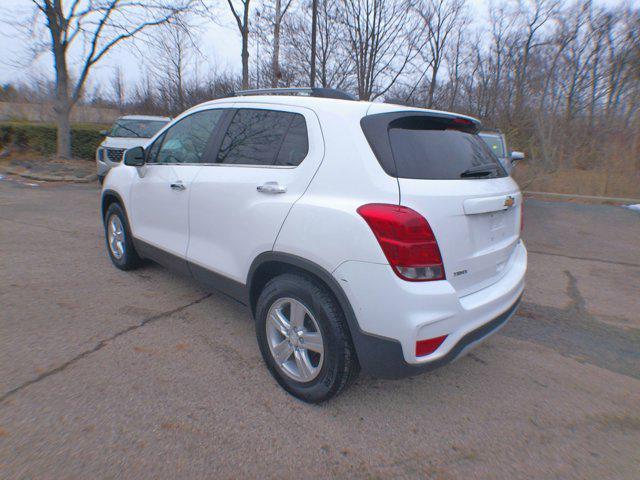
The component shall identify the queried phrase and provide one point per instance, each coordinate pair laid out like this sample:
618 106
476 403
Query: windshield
495 144
136 128
424 149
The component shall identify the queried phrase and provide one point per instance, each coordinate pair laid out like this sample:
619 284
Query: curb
584 197
52 178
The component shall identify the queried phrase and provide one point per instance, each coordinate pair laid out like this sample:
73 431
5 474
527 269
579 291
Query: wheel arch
271 264
109 197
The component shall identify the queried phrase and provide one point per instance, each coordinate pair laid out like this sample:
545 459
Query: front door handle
178 186
271 187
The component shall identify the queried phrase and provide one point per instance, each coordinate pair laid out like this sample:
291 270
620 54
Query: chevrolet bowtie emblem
509 201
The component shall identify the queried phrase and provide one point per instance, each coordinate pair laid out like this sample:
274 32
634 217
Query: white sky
220 46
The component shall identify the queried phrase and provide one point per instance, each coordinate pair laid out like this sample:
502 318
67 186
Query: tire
125 256
327 373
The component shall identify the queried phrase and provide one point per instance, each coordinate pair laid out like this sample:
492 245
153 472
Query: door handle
178 186
271 187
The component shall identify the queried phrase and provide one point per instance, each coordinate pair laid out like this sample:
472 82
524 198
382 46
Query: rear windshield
430 146
427 150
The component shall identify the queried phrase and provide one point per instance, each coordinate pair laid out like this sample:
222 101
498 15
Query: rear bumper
392 315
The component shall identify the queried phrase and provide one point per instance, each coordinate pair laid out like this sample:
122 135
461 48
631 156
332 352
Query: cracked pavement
108 374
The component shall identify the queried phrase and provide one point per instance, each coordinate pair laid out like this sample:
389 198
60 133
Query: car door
160 193
264 162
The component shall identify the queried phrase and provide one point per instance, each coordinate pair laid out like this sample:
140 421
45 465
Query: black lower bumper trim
383 358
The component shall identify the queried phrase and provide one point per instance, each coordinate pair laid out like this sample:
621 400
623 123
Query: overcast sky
219 45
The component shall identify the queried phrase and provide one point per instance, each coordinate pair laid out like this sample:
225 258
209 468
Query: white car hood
124 142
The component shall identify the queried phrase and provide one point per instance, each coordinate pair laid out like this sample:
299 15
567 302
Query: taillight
406 240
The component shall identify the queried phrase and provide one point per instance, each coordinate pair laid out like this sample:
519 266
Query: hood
124 142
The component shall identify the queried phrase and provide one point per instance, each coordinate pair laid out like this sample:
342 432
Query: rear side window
264 137
495 143
431 148
295 144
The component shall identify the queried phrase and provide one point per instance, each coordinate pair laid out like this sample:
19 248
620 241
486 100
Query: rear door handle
178 186
271 187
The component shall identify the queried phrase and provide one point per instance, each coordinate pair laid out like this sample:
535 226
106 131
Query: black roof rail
303 91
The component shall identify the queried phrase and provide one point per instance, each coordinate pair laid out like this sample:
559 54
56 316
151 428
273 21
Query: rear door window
423 149
264 138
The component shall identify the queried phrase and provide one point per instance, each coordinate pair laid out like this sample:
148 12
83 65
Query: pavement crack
589 259
99 346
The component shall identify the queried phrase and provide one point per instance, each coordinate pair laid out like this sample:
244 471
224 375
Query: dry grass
578 181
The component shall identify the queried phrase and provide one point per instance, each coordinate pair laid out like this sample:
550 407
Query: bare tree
100 25
441 19
334 68
175 51
118 87
314 41
382 36
240 10
280 12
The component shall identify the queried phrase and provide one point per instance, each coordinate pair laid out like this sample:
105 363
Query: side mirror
134 157
104 133
517 156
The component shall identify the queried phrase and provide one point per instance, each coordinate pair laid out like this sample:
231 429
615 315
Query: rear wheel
119 241
304 339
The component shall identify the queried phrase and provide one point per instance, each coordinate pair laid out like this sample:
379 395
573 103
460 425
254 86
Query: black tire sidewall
130 259
331 323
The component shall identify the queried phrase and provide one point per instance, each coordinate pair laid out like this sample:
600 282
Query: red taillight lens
406 240
425 347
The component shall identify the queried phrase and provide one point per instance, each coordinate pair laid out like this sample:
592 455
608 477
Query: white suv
128 131
361 235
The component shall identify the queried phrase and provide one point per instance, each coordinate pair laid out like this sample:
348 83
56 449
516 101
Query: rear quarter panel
323 226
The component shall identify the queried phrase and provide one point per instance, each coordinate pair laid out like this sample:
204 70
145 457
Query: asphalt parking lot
107 374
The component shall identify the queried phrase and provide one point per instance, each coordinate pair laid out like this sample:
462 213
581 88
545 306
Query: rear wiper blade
479 171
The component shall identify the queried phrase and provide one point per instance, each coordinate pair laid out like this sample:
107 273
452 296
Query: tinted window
187 140
136 128
296 143
152 151
495 144
424 150
264 137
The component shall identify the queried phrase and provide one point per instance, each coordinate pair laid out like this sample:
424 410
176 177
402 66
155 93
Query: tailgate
476 224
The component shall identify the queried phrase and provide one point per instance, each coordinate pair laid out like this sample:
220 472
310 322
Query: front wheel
119 241
303 337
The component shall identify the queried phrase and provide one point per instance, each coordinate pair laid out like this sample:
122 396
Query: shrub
41 138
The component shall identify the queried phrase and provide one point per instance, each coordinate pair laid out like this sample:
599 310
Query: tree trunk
63 123
63 105
63 102
432 85
275 61
245 47
314 29
245 60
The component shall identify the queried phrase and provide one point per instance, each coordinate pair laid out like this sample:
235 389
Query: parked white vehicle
361 235
128 131
497 142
